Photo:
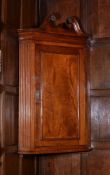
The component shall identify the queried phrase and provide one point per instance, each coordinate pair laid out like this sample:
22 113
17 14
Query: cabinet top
52 30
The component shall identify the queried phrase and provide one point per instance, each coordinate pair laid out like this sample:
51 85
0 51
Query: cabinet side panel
26 96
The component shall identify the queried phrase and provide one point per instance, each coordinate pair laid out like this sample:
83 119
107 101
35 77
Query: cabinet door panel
58 69
60 93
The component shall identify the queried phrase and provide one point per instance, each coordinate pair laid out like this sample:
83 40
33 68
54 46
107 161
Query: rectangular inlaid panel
98 162
11 164
10 119
60 96
69 7
100 118
104 18
65 8
28 165
100 67
98 18
10 60
65 164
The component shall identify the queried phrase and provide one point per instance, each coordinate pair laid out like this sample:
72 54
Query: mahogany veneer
53 106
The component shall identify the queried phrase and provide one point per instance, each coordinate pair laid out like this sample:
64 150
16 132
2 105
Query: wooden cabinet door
61 102
55 111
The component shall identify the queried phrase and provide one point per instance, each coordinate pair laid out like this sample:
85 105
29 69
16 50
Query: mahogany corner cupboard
53 102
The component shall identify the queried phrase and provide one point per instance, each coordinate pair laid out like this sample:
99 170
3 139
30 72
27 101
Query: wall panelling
96 20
